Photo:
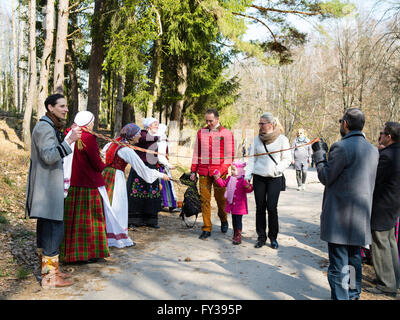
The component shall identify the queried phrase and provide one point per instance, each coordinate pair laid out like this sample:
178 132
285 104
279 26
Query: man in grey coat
349 178
45 187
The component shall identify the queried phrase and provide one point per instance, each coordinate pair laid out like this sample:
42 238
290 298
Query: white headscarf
148 121
84 118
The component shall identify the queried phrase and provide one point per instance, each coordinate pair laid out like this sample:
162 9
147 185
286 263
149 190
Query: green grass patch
3 219
8 180
22 273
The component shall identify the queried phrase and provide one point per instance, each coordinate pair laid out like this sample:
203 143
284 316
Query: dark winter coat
386 200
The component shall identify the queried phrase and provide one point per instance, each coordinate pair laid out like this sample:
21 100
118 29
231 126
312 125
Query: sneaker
299 188
205 235
224 226
304 187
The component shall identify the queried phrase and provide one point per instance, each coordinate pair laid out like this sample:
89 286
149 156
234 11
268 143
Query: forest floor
19 265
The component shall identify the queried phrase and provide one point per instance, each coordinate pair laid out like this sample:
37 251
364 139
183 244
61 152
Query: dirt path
172 263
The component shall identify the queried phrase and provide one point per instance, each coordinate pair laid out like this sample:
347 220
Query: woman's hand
165 177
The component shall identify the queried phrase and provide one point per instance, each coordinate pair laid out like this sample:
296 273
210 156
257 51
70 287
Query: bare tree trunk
73 104
15 56
156 76
96 60
61 46
31 101
45 64
21 72
119 105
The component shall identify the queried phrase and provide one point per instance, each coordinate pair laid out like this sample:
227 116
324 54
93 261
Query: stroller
191 199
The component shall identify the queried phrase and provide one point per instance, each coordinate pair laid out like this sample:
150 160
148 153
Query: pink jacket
239 205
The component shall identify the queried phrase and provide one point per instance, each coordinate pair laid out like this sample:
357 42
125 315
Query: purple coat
239 205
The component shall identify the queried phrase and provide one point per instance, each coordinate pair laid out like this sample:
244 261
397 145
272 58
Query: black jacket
386 200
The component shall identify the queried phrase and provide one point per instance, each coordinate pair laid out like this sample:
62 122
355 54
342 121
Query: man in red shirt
214 150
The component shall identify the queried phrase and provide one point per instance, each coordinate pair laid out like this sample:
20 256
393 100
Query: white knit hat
148 121
84 118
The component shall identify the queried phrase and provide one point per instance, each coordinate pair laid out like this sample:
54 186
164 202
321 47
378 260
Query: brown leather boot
50 274
63 275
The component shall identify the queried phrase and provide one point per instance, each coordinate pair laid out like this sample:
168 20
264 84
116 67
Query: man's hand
193 176
319 145
76 133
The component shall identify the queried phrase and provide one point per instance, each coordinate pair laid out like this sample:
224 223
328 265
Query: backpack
191 199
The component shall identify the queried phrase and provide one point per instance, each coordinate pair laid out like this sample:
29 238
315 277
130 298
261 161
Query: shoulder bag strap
272 158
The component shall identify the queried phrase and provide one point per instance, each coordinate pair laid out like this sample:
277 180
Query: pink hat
240 167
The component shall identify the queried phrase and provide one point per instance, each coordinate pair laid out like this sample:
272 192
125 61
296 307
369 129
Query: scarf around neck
302 140
231 187
58 123
268 138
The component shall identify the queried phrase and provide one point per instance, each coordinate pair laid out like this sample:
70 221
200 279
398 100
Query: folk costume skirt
167 192
84 226
144 199
116 208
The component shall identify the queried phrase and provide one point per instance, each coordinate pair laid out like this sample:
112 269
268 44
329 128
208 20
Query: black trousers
237 221
266 193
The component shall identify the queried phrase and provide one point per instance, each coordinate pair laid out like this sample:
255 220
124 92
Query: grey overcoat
45 187
349 179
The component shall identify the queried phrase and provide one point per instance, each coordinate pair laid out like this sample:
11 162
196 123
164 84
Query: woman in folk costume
117 158
168 194
84 210
144 199
236 196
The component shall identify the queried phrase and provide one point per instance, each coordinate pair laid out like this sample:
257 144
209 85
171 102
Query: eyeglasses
341 120
262 123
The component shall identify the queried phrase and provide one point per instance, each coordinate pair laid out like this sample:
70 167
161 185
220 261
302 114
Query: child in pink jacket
236 196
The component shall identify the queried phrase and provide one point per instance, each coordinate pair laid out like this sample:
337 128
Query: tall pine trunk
176 113
61 46
45 64
96 60
32 95
73 93
119 105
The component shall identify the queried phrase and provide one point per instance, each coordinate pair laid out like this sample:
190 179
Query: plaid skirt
109 178
84 226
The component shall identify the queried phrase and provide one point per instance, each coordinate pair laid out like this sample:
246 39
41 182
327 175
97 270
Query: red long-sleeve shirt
213 150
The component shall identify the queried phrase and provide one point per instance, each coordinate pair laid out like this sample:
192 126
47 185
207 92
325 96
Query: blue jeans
344 271
49 235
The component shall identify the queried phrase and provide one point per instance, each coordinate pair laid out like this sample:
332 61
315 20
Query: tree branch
258 20
263 9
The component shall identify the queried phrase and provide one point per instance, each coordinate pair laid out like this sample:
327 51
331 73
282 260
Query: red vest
116 161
